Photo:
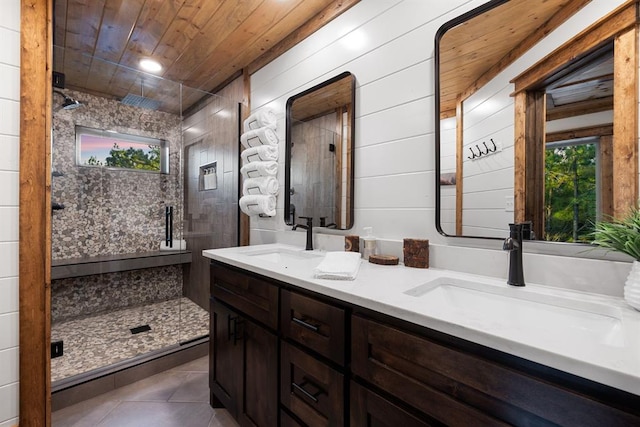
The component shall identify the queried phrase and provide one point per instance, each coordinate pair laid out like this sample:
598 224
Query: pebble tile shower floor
101 340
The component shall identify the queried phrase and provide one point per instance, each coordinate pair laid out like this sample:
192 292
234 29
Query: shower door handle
168 226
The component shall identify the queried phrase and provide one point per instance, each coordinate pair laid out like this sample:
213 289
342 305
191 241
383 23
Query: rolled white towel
260 119
263 185
261 153
258 205
338 266
258 169
257 137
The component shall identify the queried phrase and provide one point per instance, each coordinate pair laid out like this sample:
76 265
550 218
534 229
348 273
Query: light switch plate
508 204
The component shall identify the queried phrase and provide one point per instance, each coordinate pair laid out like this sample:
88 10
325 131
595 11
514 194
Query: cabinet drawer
287 420
459 388
369 410
314 324
249 294
311 390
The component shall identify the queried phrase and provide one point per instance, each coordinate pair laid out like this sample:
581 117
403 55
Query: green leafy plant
620 235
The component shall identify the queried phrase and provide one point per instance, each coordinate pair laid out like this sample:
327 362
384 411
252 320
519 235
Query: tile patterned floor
175 398
102 340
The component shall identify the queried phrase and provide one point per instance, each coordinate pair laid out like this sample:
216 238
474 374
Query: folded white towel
338 266
260 119
210 181
261 153
264 185
258 169
257 205
257 137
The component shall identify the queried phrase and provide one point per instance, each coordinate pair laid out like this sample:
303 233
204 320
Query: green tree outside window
570 193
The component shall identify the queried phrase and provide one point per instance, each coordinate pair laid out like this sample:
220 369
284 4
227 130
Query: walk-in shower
129 221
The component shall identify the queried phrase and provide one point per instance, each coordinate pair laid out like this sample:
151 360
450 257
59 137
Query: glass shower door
117 290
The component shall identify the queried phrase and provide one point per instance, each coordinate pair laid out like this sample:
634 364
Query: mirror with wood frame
527 127
319 154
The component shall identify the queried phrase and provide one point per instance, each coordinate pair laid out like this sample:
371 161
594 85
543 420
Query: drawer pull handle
301 389
304 324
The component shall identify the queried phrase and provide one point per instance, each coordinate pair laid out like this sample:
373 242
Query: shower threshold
102 344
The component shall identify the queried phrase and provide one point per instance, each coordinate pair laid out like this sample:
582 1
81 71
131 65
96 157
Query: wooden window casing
621 28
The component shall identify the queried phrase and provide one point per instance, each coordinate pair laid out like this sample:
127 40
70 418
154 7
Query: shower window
101 148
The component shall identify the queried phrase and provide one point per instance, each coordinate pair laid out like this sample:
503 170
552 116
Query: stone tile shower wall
110 212
83 296
107 211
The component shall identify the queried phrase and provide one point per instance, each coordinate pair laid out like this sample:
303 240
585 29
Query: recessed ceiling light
150 65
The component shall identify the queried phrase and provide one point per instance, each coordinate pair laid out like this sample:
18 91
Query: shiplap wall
9 161
388 45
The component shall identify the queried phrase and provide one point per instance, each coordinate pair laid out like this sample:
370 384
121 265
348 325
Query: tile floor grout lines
152 402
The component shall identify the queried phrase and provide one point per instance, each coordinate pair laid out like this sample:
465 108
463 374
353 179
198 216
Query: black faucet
323 223
309 228
513 244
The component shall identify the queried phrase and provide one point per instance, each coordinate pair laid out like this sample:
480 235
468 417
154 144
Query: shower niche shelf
208 177
78 267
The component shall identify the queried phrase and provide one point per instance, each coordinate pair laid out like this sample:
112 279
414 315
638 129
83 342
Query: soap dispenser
369 243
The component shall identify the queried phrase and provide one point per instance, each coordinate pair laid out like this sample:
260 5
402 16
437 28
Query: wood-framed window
619 29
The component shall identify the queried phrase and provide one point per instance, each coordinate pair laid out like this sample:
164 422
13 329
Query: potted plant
623 235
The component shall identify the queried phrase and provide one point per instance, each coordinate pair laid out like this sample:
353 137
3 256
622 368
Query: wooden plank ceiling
323 100
477 50
201 43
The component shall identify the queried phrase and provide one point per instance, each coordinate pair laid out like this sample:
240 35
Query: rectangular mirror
527 130
319 154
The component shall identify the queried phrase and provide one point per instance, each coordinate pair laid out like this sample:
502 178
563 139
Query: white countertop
540 337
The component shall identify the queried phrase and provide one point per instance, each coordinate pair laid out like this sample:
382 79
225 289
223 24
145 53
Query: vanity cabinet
244 352
459 388
310 389
368 409
316 325
282 355
312 359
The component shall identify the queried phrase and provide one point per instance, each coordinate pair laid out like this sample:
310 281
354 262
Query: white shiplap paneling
9 293
395 126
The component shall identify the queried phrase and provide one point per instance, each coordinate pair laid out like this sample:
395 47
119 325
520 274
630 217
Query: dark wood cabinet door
370 410
260 363
225 377
460 388
287 420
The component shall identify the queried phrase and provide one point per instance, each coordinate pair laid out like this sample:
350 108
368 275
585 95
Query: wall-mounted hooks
488 150
483 150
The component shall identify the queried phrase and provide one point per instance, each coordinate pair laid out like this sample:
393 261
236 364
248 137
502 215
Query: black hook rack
482 151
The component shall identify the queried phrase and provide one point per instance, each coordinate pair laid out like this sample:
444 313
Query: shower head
69 103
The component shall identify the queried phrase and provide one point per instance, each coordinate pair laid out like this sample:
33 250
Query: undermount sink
518 312
286 257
